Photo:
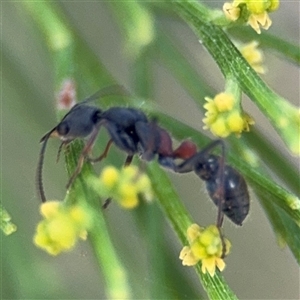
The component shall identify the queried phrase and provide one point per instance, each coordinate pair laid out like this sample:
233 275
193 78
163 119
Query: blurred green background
257 267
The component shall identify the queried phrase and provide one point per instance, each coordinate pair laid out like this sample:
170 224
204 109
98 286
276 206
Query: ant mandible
129 130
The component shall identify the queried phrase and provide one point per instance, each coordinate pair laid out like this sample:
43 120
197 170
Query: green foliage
69 54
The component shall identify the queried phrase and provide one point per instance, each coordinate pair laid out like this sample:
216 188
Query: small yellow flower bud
205 246
62 226
198 250
207 236
124 186
231 12
128 196
263 20
109 176
210 106
193 232
49 208
62 232
187 257
130 202
224 102
235 122
219 128
257 6
224 115
256 10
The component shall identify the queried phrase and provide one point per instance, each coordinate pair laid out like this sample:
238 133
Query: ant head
62 128
79 122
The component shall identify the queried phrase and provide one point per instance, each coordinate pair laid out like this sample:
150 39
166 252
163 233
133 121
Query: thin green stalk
180 219
150 219
61 44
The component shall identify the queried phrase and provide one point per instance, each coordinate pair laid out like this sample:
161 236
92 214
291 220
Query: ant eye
63 129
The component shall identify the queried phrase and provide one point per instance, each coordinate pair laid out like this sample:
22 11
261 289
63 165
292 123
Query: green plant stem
283 116
150 219
216 287
61 44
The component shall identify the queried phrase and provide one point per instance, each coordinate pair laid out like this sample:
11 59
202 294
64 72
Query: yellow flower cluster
62 226
205 245
224 116
255 10
124 186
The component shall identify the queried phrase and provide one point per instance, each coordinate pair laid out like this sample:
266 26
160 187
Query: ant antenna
39 171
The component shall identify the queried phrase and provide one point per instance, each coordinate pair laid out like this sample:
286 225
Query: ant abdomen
233 192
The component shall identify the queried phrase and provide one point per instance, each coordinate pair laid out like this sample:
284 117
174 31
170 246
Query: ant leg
189 165
220 193
59 151
223 242
87 148
103 155
63 144
128 160
106 203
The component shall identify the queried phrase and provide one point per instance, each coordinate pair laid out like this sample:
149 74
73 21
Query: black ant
129 130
